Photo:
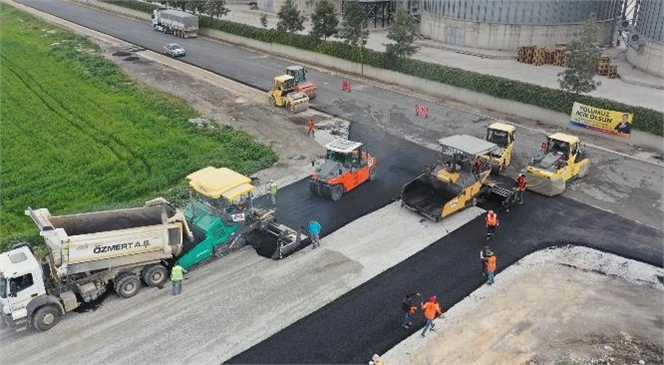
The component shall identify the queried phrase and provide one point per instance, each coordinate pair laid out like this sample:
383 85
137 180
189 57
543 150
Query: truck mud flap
545 186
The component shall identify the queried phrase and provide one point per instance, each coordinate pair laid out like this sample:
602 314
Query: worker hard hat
522 174
433 299
375 357
491 212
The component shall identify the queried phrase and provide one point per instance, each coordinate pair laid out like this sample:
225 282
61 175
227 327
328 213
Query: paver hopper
223 218
451 184
560 160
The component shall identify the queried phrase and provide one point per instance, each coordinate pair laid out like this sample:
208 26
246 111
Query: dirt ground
561 306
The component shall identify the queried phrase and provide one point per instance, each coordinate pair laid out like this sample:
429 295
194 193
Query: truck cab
21 280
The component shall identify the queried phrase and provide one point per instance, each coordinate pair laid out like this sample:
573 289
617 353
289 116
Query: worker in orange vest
310 127
521 185
491 263
431 311
491 224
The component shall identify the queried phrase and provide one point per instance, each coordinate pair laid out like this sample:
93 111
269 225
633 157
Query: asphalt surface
366 320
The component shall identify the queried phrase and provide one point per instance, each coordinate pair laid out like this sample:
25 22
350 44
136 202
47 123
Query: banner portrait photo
601 120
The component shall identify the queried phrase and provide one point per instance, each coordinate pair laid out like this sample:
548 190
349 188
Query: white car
174 50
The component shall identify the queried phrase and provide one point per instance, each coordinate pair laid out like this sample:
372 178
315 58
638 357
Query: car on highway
174 50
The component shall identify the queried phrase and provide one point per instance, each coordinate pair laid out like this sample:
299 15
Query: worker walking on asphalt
491 263
484 254
408 309
521 185
273 192
491 224
431 311
311 127
176 279
314 232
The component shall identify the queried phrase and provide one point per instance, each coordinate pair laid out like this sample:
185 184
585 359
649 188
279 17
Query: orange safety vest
430 310
491 263
492 219
311 124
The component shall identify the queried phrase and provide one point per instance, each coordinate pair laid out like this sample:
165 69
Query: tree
324 20
353 28
402 32
582 61
196 6
216 8
290 18
264 20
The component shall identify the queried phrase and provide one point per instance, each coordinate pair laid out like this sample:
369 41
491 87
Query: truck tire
155 275
337 192
45 318
127 286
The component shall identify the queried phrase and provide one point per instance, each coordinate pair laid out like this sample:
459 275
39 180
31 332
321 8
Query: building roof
564 137
220 182
343 146
502 127
283 78
468 144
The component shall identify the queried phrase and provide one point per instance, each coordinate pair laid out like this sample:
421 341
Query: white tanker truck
86 252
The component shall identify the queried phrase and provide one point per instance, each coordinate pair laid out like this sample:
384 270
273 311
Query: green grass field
77 134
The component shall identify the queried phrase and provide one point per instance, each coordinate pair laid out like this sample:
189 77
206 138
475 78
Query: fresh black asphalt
366 320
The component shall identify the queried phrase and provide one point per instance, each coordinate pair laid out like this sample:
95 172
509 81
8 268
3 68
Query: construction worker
311 126
273 192
491 263
431 311
177 275
491 224
521 185
408 309
483 256
314 232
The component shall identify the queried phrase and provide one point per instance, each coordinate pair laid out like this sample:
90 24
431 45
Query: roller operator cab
561 159
347 165
284 94
502 135
299 75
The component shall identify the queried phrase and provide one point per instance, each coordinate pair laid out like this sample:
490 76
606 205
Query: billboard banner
601 120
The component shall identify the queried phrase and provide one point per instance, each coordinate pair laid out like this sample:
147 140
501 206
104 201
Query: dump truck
176 22
502 135
561 159
299 74
346 167
224 218
453 183
283 93
85 253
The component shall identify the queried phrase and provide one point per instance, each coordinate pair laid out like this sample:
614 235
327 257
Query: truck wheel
155 275
337 192
45 318
127 286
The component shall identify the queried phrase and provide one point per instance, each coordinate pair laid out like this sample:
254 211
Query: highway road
365 320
